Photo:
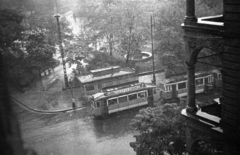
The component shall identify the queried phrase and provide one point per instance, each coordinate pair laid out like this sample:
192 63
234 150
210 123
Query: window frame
129 99
199 84
89 86
144 92
112 99
185 84
122 97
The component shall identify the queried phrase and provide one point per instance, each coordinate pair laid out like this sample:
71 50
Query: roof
183 77
91 78
122 90
103 69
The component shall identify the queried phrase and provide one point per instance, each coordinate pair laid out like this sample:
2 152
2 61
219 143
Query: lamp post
154 77
57 16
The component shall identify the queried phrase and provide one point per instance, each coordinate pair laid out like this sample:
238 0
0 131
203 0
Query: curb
44 111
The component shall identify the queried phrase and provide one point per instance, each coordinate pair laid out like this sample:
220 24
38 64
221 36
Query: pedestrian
73 104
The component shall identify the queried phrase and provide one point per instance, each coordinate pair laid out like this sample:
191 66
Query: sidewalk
37 97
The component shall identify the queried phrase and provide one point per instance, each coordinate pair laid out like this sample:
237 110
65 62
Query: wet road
67 134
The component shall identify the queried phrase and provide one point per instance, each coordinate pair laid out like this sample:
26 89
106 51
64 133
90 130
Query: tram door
104 107
150 92
150 97
174 91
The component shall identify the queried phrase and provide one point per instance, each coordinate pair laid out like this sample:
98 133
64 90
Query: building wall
231 66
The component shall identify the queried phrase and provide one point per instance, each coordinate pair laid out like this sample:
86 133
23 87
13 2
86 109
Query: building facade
214 128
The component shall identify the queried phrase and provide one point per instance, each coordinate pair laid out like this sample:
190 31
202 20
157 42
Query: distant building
105 78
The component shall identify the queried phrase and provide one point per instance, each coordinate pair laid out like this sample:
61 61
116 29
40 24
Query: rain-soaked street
67 134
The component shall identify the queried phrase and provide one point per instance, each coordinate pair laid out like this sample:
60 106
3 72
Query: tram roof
183 77
121 91
91 78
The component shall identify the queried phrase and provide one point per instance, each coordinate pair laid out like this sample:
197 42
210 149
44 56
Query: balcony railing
211 23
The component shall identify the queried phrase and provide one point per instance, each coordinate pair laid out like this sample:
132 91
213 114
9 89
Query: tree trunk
129 45
110 44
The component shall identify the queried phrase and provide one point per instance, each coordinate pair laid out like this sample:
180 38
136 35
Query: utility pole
154 77
57 16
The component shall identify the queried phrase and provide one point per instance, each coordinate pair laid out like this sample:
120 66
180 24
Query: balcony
210 24
203 121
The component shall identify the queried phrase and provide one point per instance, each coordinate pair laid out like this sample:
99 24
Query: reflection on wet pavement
67 134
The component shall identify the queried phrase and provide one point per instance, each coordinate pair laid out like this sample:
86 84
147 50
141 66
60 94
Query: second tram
177 87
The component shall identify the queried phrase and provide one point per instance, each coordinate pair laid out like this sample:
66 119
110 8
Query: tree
117 24
39 52
79 49
10 29
101 60
169 34
10 44
161 130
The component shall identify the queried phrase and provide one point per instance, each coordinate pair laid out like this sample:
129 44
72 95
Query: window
112 101
98 104
142 95
219 76
182 85
104 103
168 88
199 82
210 79
99 87
89 88
206 80
122 99
154 91
132 97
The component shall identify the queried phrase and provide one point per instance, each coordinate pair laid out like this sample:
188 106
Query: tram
176 87
121 98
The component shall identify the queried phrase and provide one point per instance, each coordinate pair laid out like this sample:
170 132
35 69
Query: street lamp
154 77
57 16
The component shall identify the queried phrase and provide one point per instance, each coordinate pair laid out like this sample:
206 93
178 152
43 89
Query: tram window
112 101
104 103
89 88
122 99
169 88
206 80
219 76
210 79
199 82
154 91
98 104
182 85
132 97
142 95
99 87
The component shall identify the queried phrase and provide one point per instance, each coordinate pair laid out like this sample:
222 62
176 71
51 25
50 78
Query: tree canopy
124 27
160 130
29 35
